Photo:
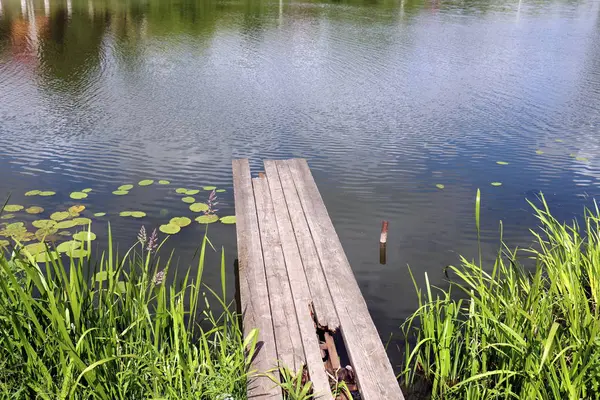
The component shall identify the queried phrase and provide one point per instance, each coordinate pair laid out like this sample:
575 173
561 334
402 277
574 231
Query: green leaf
13 207
180 221
539 152
188 199
501 163
7 216
207 219
35 248
46 257
4 243
34 210
65 233
125 187
60 215
78 195
576 158
181 190
120 192
82 221
439 186
101 276
138 214
84 236
79 253
42 234
496 183
69 246
87 190
75 210
209 187
191 192
169 229
558 140
47 193
198 207
65 224
163 212
163 182
146 182
32 193
221 190
125 214
43 223
99 214
230 219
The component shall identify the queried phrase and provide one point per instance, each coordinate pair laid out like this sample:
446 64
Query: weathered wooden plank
287 334
299 286
323 304
255 306
374 373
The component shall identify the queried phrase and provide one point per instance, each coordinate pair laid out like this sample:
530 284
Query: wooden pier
298 289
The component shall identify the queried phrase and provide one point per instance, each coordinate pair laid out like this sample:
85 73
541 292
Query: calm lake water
385 99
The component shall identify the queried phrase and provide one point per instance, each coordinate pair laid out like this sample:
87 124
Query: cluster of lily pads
56 228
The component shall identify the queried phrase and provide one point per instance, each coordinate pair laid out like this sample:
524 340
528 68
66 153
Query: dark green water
385 99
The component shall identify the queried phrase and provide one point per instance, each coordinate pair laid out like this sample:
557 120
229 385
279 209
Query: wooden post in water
383 243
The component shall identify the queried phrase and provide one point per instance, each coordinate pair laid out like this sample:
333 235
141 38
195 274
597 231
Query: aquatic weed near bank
115 329
513 332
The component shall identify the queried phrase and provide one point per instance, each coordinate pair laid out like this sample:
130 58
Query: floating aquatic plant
221 190
13 207
7 216
35 248
43 223
67 247
501 163
198 207
192 192
439 186
32 193
188 199
180 221
496 183
82 221
207 219
99 214
47 193
47 257
583 159
84 236
76 209
163 182
78 195
120 192
146 182
135 214
65 224
60 215
539 152
34 210
169 229
209 187
230 219
125 187
181 190
87 190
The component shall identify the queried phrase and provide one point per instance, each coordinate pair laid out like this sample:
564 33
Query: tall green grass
114 328
505 331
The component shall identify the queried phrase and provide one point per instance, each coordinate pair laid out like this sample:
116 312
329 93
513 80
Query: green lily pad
43 223
209 187
180 221
125 187
47 193
34 210
42 234
146 182
181 190
13 207
68 247
125 214
60 215
120 192
82 221
439 186
583 159
121 287
191 192
32 193
496 183
573 155
558 140
138 214
207 219
163 182
169 229
99 214
221 190
65 233
79 253
501 163
86 190
78 195
198 207
35 248
4 243
76 209
65 224
84 236
46 257
7 216
539 152
101 276
230 219
188 199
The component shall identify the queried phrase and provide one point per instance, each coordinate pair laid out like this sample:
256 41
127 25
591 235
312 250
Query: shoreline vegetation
127 327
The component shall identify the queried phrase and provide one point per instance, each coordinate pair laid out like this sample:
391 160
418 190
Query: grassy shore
116 329
505 331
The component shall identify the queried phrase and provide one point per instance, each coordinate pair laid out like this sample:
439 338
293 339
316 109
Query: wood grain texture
256 312
283 312
299 286
374 372
324 309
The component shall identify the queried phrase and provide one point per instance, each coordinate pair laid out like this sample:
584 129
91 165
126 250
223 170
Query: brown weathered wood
299 286
283 312
324 309
374 373
332 350
254 295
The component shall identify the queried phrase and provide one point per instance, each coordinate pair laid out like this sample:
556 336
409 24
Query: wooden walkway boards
298 289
